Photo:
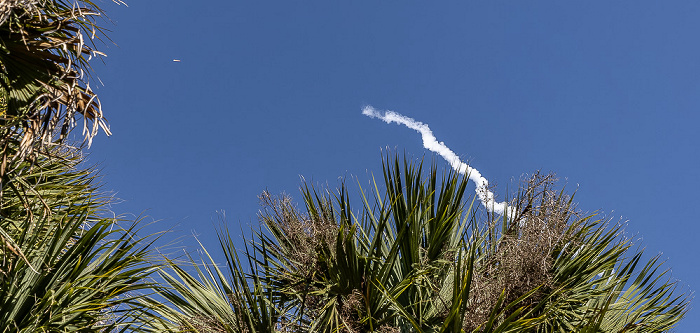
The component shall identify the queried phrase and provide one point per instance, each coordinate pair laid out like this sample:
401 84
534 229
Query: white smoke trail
431 143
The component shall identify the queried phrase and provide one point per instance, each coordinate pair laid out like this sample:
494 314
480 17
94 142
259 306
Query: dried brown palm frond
9 6
45 49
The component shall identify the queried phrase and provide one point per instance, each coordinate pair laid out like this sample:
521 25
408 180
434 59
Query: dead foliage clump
306 242
302 237
518 255
351 311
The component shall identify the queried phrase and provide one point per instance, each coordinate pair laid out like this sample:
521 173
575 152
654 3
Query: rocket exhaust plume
431 143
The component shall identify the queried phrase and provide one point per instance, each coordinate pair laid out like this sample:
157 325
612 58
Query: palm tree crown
418 257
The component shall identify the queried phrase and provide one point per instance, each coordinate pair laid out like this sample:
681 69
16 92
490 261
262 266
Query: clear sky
604 93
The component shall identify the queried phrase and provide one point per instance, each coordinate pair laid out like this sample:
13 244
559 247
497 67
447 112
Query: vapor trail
431 143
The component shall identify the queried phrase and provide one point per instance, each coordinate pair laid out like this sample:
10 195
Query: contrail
431 143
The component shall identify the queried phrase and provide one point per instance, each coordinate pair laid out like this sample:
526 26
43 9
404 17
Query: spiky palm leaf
214 301
418 259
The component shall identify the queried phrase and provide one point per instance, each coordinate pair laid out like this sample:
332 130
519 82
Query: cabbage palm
65 267
418 257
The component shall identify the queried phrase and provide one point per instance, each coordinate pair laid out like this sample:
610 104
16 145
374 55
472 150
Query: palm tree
65 266
418 257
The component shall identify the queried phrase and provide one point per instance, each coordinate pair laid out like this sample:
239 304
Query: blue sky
605 94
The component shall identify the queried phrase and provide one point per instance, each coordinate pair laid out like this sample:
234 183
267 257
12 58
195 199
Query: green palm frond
213 301
66 268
